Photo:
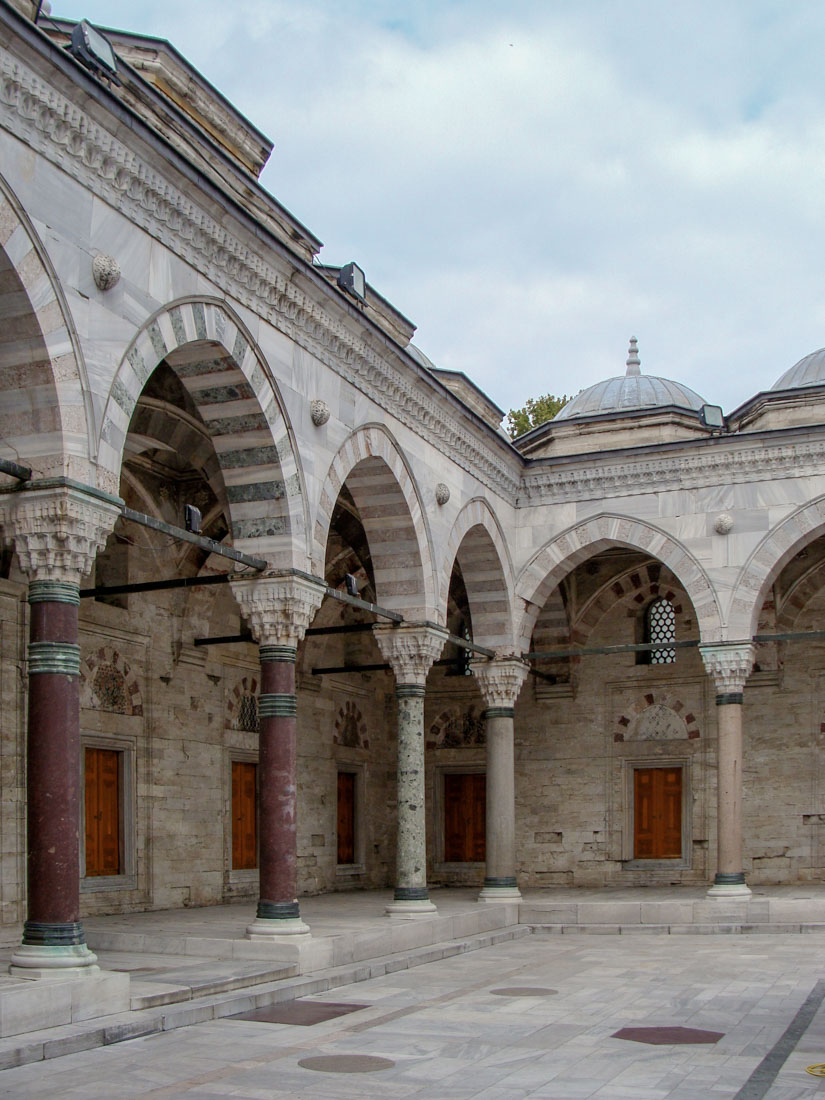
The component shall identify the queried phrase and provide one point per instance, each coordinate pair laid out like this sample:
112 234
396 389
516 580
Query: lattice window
661 628
248 713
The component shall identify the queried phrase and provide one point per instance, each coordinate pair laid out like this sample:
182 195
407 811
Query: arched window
660 627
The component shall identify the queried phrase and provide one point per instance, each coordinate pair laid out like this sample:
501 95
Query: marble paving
450 1035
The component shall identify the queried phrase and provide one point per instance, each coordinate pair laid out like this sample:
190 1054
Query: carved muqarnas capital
500 681
410 650
728 665
278 609
58 532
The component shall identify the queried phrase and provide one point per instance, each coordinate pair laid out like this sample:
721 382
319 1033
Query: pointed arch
46 417
478 543
214 356
574 545
378 475
773 553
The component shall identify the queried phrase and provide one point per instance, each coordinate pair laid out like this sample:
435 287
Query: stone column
500 683
279 610
411 651
729 665
57 533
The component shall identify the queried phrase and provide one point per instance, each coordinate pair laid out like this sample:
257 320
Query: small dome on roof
632 390
809 371
418 355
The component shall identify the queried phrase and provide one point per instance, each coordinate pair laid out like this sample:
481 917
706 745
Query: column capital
500 679
279 609
57 532
410 650
729 664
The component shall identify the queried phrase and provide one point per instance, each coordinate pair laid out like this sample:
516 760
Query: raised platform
186 966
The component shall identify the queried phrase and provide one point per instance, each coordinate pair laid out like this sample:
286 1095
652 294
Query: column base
729 884
34 961
499 890
410 909
266 928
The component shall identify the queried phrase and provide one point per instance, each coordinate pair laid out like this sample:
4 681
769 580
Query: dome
418 355
632 390
809 371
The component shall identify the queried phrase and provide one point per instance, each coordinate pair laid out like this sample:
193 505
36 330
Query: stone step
54 1042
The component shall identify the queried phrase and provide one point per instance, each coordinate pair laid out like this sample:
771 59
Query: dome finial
633 357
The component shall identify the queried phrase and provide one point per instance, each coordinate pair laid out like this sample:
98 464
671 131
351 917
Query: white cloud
532 186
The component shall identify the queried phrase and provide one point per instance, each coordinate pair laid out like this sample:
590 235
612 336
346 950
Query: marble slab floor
443 1031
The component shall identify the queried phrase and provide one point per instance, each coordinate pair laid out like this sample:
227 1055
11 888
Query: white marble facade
205 365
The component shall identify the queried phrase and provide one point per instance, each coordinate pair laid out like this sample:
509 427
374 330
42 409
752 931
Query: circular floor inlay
346 1063
524 991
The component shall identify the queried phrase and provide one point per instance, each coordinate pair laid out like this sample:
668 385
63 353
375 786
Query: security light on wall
351 279
94 51
352 584
711 416
192 519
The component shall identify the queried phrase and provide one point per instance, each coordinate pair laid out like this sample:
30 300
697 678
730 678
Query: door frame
628 856
438 809
126 747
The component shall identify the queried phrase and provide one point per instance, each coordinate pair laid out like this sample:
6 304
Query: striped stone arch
807 588
566 550
46 418
762 568
376 473
635 589
476 540
215 358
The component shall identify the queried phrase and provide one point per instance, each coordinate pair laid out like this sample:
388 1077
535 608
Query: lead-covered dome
809 371
632 390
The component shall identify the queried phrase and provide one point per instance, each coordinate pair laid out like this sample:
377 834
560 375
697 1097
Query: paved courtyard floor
535 1017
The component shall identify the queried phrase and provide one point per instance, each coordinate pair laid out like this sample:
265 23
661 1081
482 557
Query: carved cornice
278 609
729 462
500 681
59 129
57 533
729 665
410 650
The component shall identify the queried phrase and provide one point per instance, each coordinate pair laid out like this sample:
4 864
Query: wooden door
102 806
346 817
465 817
244 815
657 813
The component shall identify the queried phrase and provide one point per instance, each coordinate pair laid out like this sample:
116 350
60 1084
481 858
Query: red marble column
53 776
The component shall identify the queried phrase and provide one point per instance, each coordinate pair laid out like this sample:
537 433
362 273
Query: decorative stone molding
59 129
57 532
457 728
278 609
105 271
319 412
350 728
410 650
500 680
723 524
729 665
108 683
442 493
730 462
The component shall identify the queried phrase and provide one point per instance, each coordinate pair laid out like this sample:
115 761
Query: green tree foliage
535 412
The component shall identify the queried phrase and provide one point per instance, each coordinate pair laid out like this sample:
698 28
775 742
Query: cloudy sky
533 183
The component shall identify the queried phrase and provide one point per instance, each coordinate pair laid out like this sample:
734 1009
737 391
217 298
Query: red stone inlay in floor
303 1013
667 1036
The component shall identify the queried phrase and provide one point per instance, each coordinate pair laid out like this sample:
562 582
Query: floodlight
94 50
352 584
351 278
712 416
192 519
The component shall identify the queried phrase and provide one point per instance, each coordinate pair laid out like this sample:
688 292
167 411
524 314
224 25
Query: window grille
661 627
248 713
